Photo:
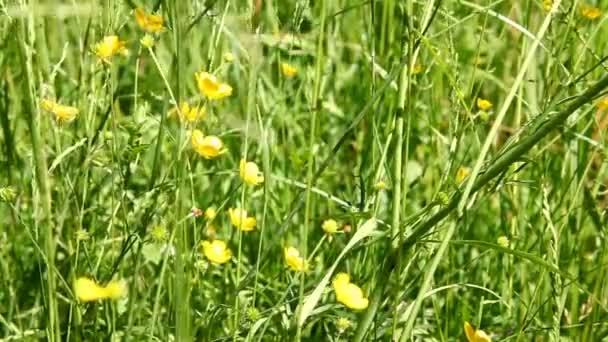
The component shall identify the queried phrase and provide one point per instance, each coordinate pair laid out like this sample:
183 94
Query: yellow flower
216 251
250 173
590 12
380 185
210 213
602 104
475 335
462 173
207 146
62 113
288 70
418 68
110 46
228 57
209 86
239 219
483 104
330 226
547 4
159 234
149 22
87 290
343 324
294 261
503 241
147 41
348 293
189 114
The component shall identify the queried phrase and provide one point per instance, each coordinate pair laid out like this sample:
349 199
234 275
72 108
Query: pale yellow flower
343 324
216 251
293 260
483 104
87 290
228 57
590 12
503 241
547 4
239 219
149 22
330 226
147 41
110 46
211 87
210 213
188 113
602 104
250 173
207 146
62 113
474 335
288 70
348 293
462 173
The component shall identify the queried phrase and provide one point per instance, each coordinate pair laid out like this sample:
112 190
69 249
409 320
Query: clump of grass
311 171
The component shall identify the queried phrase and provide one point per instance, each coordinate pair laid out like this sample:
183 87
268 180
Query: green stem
315 106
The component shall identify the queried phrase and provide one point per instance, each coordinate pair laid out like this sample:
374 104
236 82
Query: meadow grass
303 170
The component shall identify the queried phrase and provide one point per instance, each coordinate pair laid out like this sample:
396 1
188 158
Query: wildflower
228 57
503 241
380 185
590 12
602 104
547 4
483 104
475 335
462 173
210 213
293 260
288 70
250 173
196 212
110 46
211 232
189 114
87 290
253 314
330 226
211 87
239 219
216 251
147 41
159 234
207 146
418 68
348 293
149 22
62 113
343 324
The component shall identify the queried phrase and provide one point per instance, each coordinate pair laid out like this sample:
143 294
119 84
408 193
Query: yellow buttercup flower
110 46
239 219
211 87
216 251
207 146
87 290
483 104
288 70
602 104
547 4
348 293
210 213
147 41
149 22
250 173
590 12
293 260
462 173
62 113
189 114
474 335
330 226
